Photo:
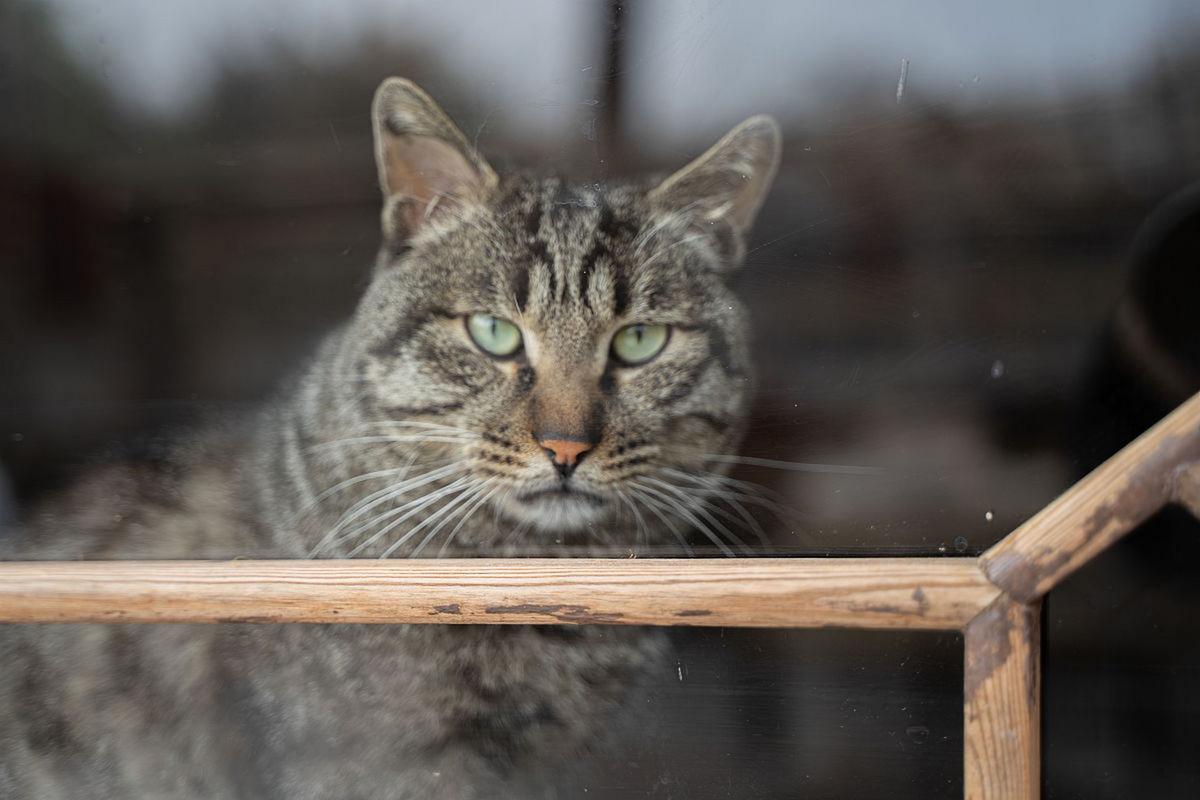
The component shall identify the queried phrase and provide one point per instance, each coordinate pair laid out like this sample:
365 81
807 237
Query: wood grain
1090 516
1187 487
931 593
1002 703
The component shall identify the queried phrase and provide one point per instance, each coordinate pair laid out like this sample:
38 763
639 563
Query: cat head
570 350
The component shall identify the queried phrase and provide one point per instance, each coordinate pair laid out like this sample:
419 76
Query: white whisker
475 497
382 496
454 501
413 423
440 438
462 502
638 520
668 524
739 516
743 491
379 473
450 539
701 508
795 466
402 513
413 505
667 503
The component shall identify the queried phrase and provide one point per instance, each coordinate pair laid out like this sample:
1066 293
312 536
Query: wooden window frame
994 599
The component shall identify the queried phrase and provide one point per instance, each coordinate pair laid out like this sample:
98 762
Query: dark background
966 293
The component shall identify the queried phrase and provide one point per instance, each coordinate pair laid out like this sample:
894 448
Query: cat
536 368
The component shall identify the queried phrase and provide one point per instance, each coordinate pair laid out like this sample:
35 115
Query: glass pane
972 279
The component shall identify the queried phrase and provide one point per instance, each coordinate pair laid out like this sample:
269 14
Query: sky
688 60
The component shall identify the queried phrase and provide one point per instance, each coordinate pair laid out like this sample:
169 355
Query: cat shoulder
184 499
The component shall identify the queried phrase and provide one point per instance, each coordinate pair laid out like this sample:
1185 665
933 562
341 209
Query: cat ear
426 166
729 182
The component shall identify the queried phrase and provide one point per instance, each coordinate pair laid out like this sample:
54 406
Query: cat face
576 348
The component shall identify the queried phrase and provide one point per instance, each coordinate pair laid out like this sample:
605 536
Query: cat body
287 711
535 369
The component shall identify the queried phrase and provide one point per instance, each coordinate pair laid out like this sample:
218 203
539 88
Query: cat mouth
561 492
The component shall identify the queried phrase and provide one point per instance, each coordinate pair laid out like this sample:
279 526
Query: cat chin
557 514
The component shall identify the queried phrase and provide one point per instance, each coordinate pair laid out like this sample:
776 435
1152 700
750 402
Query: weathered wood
1002 703
1090 516
931 593
1187 487
995 600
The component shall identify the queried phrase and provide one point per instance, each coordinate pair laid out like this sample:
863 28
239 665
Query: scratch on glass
903 80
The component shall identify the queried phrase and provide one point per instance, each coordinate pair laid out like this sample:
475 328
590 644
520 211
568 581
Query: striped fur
403 438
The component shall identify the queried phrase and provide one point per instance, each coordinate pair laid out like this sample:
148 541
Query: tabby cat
536 368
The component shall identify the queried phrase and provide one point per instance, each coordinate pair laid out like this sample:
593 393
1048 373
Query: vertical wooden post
1002 702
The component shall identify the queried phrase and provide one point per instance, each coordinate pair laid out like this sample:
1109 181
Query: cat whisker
442 438
743 491
346 484
457 497
712 489
516 533
746 487
394 490
644 527
668 523
450 539
641 531
752 494
413 423
795 466
382 496
659 507
405 512
654 497
745 516
702 508
462 502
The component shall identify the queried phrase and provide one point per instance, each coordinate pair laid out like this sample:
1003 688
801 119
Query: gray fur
400 398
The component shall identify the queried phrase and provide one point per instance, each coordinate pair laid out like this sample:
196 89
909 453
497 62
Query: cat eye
494 336
638 343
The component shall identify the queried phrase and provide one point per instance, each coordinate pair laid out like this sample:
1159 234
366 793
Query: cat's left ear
724 188
426 166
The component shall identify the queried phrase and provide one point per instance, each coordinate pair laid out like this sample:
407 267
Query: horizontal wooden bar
1089 517
930 593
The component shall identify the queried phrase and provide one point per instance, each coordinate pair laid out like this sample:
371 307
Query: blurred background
977 276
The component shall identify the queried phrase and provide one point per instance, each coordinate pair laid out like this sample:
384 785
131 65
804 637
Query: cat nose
565 454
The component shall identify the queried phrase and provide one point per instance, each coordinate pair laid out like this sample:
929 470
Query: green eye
495 336
638 343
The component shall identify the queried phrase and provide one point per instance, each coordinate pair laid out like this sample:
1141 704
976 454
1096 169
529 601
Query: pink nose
564 452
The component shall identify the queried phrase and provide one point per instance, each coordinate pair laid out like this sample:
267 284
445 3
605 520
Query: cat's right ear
427 168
